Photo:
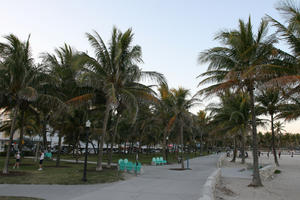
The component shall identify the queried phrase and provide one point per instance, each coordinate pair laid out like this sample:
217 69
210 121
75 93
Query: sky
171 32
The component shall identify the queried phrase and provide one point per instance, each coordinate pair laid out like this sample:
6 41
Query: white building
4 137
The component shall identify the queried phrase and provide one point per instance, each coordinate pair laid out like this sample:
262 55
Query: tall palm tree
243 62
290 33
17 73
270 103
114 71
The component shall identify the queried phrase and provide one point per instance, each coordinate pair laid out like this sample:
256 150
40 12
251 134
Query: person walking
279 154
18 157
42 157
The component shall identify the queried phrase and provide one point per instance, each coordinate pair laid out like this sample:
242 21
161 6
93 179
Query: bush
277 171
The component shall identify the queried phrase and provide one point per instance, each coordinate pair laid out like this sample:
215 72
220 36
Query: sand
283 186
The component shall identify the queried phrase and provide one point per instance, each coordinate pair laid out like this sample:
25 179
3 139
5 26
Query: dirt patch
27 164
222 191
180 169
61 166
13 173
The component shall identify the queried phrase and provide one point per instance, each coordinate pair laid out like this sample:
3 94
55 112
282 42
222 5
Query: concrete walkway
157 182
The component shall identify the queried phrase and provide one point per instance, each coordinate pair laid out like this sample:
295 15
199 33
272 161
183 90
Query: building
4 137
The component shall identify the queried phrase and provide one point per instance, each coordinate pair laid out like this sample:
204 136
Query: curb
267 172
209 187
220 160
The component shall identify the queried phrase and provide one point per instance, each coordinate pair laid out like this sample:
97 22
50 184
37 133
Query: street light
87 125
167 149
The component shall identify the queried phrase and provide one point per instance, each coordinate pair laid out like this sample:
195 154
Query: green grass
18 198
66 174
143 158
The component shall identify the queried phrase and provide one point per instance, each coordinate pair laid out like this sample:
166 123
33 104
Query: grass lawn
66 174
17 198
143 158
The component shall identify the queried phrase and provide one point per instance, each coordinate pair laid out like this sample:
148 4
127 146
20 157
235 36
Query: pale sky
170 32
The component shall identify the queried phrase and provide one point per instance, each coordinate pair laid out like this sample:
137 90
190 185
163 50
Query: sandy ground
284 186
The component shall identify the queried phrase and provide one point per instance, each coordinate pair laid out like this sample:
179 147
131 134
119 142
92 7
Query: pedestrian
279 154
41 160
17 164
268 154
292 152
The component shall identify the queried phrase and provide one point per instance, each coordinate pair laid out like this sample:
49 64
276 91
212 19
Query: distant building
4 137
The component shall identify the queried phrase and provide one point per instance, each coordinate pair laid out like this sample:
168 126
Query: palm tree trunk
243 146
182 148
164 146
256 181
59 149
105 121
273 141
112 142
11 136
94 148
21 133
37 151
45 134
234 149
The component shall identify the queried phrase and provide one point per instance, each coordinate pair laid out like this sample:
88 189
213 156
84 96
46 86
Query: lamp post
87 125
167 149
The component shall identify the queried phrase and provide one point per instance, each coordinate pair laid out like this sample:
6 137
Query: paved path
157 183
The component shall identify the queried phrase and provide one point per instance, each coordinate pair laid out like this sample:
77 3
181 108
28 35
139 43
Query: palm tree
115 73
243 62
17 73
270 103
181 112
165 113
290 33
232 115
279 129
203 121
63 68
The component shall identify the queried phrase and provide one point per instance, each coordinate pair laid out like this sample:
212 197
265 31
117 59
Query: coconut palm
17 74
279 129
114 71
269 100
165 113
244 61
181 106
232 115
63 68
203 122
290 33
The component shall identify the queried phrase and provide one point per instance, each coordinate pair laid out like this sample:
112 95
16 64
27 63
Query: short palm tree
269 105
232 115
181 106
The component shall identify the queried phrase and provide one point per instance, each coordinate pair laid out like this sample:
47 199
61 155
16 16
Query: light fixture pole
87 125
